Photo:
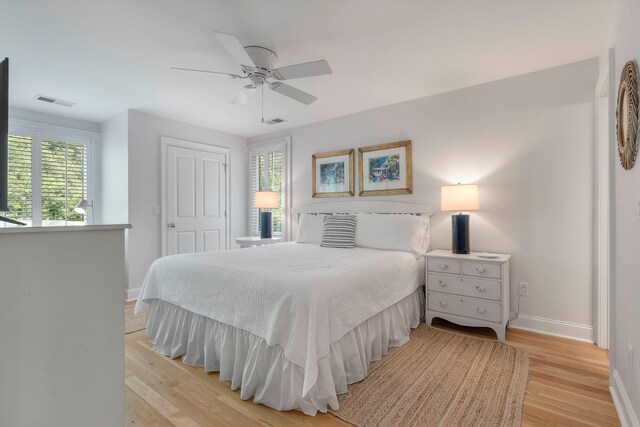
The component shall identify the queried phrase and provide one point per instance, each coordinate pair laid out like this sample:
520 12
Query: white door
195 201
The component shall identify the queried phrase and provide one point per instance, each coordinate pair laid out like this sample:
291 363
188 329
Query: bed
290 324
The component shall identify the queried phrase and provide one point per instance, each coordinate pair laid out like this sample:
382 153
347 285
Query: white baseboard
558 328
621 400
132 294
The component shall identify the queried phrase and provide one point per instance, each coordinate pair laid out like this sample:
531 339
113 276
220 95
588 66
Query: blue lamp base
460 234
265 224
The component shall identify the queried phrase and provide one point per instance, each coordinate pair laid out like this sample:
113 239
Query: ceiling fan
257 64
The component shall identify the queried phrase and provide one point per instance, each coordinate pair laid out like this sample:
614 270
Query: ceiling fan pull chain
262 93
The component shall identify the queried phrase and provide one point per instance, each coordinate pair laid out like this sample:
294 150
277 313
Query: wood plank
160 404
140 413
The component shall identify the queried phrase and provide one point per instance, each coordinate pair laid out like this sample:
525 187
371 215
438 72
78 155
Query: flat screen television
4 141
4 135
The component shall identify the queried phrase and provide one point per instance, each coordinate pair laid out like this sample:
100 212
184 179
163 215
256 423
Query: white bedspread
301 297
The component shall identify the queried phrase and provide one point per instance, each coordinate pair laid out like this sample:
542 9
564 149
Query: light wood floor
569 387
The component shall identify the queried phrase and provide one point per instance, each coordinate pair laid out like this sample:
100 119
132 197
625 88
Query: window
268 171
64 181
49 173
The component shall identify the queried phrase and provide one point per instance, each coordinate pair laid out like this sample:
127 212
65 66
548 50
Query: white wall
50 119
625 313
144 242
112 204
528 142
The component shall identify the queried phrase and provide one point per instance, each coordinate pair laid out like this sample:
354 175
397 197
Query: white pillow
310 228
392 232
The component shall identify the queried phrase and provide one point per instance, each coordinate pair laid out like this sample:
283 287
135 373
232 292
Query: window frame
281 144
39 132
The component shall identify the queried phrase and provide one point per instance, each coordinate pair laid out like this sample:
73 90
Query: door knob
172 225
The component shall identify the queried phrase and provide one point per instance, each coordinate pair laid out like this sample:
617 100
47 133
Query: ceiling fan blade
235 76
292 93
244 95
235 48
308 69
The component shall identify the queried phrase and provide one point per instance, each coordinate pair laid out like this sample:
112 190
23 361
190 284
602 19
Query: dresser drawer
443 283
481 269
443 265
481 288
464 306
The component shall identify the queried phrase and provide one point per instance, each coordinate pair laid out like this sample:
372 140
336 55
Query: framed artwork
333 174
385 169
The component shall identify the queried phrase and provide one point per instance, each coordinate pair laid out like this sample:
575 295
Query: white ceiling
108 56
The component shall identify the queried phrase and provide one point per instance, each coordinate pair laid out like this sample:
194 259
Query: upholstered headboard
364 206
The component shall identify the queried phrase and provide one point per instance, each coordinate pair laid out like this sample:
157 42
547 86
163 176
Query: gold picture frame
385 173
330 171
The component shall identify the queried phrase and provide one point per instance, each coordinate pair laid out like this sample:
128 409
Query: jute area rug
133 323
440 378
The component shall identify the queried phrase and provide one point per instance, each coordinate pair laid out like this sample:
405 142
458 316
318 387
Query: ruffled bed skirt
263 371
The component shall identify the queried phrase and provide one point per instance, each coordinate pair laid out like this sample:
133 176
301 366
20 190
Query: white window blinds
64 181
20 179
267 172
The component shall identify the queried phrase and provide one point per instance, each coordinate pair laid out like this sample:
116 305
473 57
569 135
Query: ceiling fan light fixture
258 65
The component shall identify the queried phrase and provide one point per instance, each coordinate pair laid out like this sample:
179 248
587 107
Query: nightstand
468 289
246 242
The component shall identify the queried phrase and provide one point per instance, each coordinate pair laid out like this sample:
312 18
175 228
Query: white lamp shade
459 198
265 200
82 206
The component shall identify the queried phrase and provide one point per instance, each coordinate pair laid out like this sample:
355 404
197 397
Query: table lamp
265 200
459 198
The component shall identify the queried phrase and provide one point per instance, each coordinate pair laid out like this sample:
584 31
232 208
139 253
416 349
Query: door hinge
225 214
225 166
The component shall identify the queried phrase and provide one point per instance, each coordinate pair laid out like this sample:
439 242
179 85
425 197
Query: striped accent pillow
339 231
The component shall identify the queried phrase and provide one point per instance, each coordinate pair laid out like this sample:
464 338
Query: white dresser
468 289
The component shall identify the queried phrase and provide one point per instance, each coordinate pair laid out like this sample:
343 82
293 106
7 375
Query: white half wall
61 325
624 353
144 238
528 143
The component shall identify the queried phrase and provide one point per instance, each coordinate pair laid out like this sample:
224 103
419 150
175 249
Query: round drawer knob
481 310
480 288
443 266
481 270
442 283
443 304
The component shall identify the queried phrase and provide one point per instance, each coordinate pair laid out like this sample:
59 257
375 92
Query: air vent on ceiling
275 121
55 101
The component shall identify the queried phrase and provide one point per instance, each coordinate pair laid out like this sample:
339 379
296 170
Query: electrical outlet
523 289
